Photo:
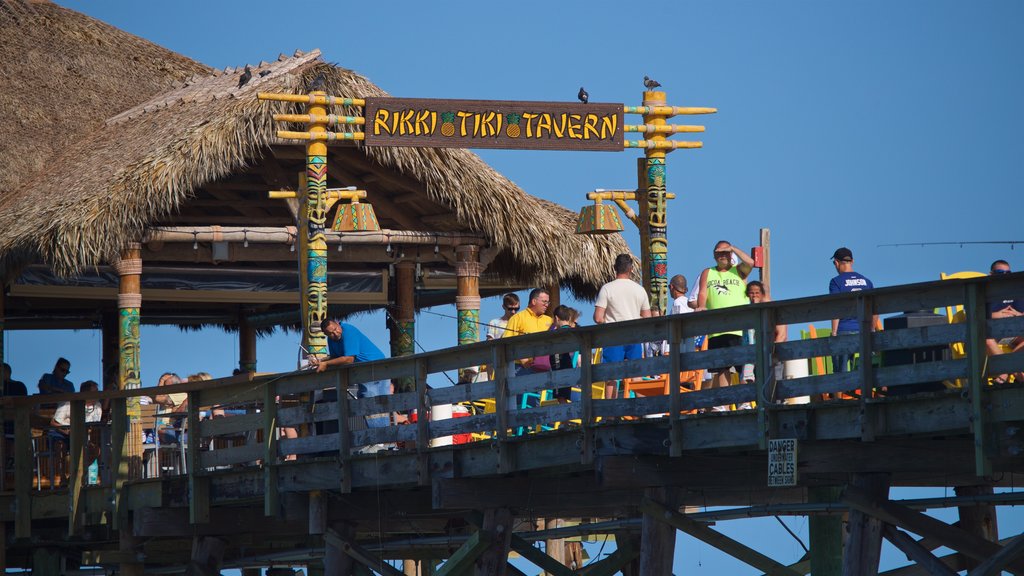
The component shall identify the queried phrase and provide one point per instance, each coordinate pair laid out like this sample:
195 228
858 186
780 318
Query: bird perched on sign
651 83
245 77
264 73
583 96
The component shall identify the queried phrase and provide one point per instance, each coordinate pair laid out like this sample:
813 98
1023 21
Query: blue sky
839 124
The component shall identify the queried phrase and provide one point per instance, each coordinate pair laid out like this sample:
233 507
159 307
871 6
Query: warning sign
782 462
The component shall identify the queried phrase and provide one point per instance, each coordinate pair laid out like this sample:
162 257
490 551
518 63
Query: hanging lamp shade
598 218
355 217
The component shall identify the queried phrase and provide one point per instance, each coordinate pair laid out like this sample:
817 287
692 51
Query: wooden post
467 301
403 319
111 348
246 344
865 543
271 501
586 381
555 295
497 525
129 301
978 519
977 359
866 369
336 561
207 556
826 534
23 472
47 561
76 460
314 245
766 252
127 542
555 548
657 538
657 224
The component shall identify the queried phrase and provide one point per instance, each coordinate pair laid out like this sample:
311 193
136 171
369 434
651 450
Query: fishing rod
961 244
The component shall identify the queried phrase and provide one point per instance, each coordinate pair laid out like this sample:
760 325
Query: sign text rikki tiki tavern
493 124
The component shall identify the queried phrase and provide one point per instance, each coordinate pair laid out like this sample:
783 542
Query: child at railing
565 317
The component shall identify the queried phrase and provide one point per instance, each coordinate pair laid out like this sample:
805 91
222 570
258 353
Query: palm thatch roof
148 163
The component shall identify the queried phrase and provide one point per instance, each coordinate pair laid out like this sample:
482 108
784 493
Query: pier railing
336 428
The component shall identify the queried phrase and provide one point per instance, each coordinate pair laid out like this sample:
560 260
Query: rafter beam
916 552
540 559
701 532
361 555
918 523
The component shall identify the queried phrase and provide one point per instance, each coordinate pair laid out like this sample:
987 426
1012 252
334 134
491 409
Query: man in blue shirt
56 382
346 344
846 281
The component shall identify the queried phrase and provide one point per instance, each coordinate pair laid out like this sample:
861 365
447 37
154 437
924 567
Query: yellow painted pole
322 135
330 119
656 260
318 99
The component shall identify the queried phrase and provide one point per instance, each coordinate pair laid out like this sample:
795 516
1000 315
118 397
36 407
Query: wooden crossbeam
360 554
540 559
614 562
718 540
919 523
864 546
466 555
994 565
916 552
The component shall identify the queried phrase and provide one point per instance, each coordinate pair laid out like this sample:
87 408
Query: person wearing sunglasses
496 327
56 382
1006 308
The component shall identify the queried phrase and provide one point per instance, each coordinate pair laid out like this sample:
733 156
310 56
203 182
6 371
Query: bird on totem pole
651 83
317 83
583 96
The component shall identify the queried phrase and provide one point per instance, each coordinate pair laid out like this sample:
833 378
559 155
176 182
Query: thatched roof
147 162
63 74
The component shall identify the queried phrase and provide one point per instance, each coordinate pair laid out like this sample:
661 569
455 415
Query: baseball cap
842 254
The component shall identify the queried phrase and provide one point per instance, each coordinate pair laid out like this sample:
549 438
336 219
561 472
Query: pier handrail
501 426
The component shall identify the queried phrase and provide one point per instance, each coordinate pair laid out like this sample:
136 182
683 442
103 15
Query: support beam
865 545
994 565
916 552
467 300
658 536
616 561
360 554
403 319
336 561
497 525
826 534
207 556
555 548
466 555
127 546
552 566
129 301
978 519
705 534
924 525
246 344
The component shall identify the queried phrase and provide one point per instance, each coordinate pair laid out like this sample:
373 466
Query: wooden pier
232 496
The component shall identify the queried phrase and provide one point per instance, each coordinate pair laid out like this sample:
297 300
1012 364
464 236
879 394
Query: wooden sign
493 124
782 462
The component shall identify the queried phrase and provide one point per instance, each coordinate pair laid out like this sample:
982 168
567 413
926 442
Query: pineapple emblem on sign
448 124
512 129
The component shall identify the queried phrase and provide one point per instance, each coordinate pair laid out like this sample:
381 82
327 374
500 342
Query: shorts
624 352
726 341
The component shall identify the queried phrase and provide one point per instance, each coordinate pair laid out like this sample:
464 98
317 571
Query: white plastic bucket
441 412
798 368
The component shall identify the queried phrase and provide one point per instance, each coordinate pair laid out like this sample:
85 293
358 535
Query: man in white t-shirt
496 327
620 300
681 304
